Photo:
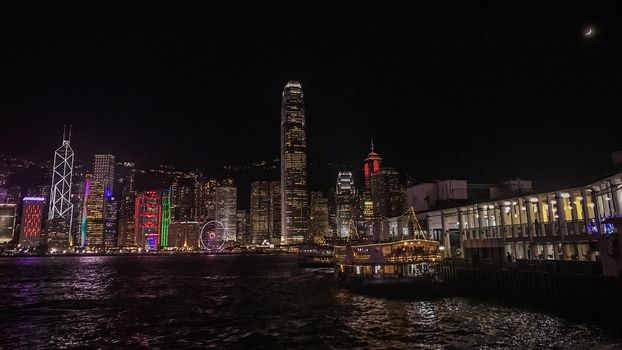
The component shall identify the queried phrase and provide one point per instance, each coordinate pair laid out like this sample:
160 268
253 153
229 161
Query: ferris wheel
213 236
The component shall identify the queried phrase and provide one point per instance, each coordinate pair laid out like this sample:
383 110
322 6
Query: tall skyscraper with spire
61 208
294 197
371 165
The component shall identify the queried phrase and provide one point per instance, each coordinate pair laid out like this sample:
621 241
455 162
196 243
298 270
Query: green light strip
166 217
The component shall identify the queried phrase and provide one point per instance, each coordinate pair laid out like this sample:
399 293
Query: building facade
427 195
226 207
294 197
7 222
345 204
110 223
103 172
274 215
147 225
243 226
184 235
126 198
450 193
564 224
206 200
77 199
93 220
165 217
260 211
371 165
318 219
126 234
32 222
58 237
387 193
184 198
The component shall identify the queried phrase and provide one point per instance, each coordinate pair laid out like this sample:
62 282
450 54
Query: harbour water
248 302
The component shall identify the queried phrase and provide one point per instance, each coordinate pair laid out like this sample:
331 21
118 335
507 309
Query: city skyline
186 195
311 175
447 78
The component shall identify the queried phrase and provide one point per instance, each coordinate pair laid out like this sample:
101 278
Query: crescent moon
589 31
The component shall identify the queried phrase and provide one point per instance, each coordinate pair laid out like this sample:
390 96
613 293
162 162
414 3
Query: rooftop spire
372 144
66 133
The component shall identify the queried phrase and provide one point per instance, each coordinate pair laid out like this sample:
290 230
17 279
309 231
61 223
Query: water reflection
246 302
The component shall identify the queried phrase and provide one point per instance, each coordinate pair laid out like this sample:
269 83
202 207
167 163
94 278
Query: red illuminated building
32 222
371 165
147 211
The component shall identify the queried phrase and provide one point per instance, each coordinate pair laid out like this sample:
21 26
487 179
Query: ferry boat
316 255
412 260
387 261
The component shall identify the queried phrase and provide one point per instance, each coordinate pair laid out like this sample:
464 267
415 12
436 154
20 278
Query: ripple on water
247 302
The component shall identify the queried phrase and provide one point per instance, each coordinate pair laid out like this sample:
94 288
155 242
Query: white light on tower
60 196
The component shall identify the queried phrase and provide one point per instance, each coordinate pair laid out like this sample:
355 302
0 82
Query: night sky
484 91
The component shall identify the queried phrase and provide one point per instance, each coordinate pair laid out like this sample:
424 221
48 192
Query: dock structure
571 288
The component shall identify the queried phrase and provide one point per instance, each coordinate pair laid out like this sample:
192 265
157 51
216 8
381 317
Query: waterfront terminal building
564 224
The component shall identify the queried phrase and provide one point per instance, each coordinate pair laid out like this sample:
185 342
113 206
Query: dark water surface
247 302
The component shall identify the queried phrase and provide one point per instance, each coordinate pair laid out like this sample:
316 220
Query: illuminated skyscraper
103 172
165 217
61 208
345 204
242 226
126 196
93 219
32 222
111 212
318 218
387 193
274 215
260 211
183 198
206 199
123 178
226 207
147 224
371 165
57 235
77 199
294 197
7 222
184 235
